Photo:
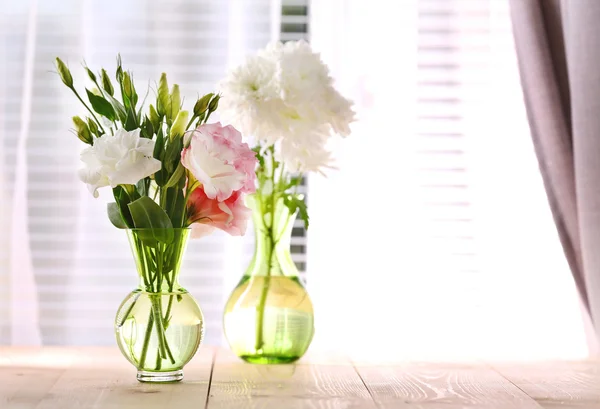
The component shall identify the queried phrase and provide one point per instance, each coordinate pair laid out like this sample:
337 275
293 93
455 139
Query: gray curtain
558 46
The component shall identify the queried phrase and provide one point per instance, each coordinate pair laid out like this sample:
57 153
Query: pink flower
204 214
218 158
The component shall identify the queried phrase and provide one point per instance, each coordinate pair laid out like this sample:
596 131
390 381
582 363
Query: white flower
120 159
301 75
251 99
307 154
284 96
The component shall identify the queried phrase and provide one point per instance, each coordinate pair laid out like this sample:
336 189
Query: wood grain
100 378
557 384
327 385
442 386
95 378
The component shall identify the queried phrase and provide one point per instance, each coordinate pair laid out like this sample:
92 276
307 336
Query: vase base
269 359
160 377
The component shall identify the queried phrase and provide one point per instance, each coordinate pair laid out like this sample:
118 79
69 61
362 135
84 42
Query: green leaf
176 205
114 215
142 186
294 181
131 121
303 212
173 154
118 107
295 203
155 119
159 145
147 214
101 105
123 198
174 179
147 130
259 156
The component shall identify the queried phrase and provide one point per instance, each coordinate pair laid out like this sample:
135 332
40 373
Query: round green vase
269 316
159 326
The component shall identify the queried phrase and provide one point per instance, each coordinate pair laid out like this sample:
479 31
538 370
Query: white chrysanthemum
251 100
338 111
284 96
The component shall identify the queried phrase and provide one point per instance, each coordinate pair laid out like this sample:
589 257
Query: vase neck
273 224
158 254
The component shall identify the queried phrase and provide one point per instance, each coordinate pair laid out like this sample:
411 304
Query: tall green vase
269 316
159 325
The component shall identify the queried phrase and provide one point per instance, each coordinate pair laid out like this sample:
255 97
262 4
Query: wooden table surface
65 378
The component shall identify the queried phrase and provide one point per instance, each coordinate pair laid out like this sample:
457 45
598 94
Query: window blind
294 27
82 264
452 47
435 235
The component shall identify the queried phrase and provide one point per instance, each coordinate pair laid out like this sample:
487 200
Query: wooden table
61 378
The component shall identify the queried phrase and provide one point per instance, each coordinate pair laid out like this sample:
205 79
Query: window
434 239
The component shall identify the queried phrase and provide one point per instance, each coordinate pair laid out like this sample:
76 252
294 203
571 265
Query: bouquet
170 171
283 97
167 167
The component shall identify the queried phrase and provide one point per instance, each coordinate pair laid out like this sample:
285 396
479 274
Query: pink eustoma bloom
204 214
221 162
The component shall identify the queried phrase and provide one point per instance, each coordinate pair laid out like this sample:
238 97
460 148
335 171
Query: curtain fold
558 43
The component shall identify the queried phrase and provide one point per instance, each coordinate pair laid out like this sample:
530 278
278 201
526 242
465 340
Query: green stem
153 275
160 331
190 122
260 309
146 340
88 108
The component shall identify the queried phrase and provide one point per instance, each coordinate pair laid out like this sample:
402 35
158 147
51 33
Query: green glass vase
159 325
269 316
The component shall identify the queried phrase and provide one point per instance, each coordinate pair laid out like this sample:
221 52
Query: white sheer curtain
434 239
63 268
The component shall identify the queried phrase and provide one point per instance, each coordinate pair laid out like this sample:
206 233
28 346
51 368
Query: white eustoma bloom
284 96
120 159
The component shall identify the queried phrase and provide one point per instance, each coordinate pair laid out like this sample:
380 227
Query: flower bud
96 92
154 118
106 84
119 74
180 125
127 85
83 132
162 100
202 104
175 102
214 104
93 126
64 73
90 74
